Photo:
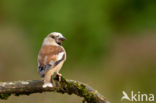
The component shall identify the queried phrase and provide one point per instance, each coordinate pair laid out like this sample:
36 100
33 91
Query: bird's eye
52 36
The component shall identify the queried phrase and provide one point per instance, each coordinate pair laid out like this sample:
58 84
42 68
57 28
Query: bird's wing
49 57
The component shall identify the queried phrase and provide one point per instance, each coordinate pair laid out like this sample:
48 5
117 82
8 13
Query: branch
65 86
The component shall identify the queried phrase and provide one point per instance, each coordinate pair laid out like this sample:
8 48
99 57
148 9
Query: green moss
77 88
4 96
95 92
84 92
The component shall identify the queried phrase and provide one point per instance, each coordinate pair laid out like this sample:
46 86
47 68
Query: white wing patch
52 62
60 55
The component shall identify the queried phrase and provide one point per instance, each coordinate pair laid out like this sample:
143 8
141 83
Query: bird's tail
47 79
47 85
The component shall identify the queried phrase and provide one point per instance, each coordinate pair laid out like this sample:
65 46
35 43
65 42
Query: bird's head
55 37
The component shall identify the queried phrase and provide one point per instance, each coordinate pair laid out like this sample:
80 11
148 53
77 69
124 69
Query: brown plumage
50 52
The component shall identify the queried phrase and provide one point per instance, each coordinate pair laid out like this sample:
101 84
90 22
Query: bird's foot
59 75
45 85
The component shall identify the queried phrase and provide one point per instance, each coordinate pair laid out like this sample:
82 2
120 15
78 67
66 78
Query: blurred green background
111 44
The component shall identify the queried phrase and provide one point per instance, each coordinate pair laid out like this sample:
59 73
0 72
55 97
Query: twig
65 86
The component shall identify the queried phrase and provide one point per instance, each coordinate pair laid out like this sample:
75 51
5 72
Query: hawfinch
51 57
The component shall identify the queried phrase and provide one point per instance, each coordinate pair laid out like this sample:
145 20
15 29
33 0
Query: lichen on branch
64 86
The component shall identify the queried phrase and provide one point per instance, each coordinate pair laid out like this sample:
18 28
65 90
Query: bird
51 58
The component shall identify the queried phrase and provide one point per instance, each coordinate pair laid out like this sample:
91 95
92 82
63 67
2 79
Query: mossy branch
65 86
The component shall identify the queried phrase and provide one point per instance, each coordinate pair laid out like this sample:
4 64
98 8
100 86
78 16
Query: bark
64 86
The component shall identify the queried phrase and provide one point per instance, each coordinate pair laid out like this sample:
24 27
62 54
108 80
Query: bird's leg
59 75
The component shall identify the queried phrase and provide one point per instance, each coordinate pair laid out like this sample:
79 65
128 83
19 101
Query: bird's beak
62 39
